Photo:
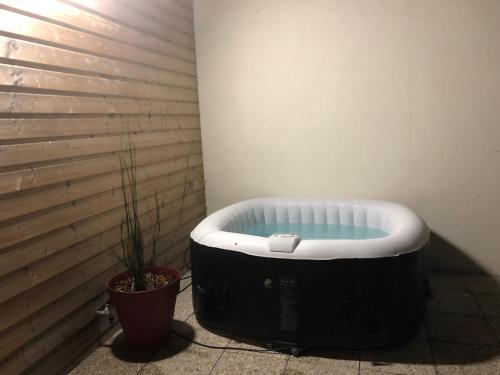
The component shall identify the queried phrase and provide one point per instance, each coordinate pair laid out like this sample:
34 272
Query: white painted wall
395 100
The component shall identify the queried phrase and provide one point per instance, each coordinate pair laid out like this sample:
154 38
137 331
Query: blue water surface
315 231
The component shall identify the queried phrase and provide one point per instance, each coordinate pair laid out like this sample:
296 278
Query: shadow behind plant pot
146 316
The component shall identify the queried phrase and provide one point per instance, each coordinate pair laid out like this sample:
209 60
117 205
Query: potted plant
144 295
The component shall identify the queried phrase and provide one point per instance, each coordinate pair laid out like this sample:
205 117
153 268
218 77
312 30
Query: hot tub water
312 231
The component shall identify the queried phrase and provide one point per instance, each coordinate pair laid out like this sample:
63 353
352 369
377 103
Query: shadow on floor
462 323
168 349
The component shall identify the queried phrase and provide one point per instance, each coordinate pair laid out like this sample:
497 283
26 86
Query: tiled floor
461 335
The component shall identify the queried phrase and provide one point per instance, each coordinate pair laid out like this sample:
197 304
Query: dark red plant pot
146 317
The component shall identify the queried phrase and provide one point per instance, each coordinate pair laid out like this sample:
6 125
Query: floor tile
181 357
188 361
243 364
482 283
455 359
185 280
413 358
151 369
106 361
462 341
447 282
183 305
495 325
309 368
453 303
489 303
381 372
203 335
459 329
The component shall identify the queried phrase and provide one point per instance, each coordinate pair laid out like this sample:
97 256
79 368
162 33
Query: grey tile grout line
461 343
427 338
216 362
466 288
220 356
453 314
485 318
442 341
286 364
147 363
222 351
157 350
189 317
483 293
467 291
430 341
430 349
481 314
142 368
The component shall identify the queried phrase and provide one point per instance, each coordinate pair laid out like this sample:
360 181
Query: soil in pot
152 280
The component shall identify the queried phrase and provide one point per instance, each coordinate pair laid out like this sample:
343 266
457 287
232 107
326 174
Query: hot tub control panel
289 304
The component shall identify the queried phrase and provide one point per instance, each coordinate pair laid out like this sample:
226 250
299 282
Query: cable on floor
183 289
274 350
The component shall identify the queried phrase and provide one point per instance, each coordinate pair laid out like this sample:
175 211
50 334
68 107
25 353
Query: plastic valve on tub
283 243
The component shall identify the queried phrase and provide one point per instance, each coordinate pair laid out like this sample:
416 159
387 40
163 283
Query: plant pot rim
126 273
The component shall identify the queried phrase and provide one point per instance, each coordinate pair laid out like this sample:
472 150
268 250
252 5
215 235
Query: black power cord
187 286
183 289
273 350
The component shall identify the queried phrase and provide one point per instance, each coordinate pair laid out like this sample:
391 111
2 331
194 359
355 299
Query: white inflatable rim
407 232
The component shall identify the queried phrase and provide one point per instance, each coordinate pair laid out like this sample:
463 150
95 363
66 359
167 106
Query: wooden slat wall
77 77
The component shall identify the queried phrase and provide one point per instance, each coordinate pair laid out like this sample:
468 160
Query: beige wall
395 100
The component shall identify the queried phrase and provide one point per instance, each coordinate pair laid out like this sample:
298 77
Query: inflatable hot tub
347 274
